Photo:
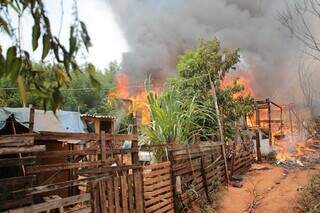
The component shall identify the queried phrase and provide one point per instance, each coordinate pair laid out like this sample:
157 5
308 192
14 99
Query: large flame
135 93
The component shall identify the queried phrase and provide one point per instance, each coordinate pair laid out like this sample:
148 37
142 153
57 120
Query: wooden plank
83 136
159 205
8 162
15 203
156 166
57 186
157 185
17 150
53 204
168 208
31 120
117 194
102 193
17 140
156 180
204 180
110 192
157 173
138 190
130 194
94 151
103 146
15 183
106 169
124 193
81 210
60 166
159 198
150 195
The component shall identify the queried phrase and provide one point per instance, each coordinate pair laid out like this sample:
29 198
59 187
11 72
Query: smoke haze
159 31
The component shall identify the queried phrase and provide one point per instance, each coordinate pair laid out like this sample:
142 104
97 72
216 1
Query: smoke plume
159 31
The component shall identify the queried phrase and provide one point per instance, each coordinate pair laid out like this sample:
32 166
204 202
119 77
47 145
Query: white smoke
159 31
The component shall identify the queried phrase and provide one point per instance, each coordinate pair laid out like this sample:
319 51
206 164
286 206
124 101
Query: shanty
159 106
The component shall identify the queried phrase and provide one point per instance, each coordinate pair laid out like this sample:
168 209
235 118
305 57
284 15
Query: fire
242 78
138 106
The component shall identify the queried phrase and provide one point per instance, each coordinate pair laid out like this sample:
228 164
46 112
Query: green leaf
15 69
11 55
46 45
66 62
35 36
4 26
92 72
57 99
22 89
72 41
85 36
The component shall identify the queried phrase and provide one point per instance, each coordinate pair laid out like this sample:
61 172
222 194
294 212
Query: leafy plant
185 108
16 63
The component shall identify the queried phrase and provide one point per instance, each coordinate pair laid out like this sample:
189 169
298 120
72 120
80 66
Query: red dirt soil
276 191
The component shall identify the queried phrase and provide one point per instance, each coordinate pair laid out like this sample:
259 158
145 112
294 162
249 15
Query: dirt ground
266 188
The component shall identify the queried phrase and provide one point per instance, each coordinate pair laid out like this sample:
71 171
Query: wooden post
103 146
20 155
223 149
269 123
102 195
134 155
31 120
204 180
176 196
290 119
259 158
138 189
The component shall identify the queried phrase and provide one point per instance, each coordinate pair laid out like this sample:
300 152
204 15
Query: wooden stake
31 120
213 89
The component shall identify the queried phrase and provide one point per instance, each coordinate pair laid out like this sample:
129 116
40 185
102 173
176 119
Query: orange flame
243 79
138 100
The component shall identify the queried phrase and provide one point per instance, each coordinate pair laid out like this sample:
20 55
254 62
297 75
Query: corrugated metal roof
63 121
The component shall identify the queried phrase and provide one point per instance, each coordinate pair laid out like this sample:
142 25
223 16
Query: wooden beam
7 162
107 169
57 186
52 204
16 140
17 150
103 146
60 166
31 120
55 154
83 136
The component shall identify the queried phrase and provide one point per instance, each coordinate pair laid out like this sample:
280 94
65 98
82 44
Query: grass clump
309 198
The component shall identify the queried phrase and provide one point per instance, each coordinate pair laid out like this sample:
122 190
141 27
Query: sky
106 36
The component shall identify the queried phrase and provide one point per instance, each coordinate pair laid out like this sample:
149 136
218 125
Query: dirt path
271 190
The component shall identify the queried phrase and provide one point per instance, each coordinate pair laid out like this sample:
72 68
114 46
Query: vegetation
16 64
309 200
185 109
78 95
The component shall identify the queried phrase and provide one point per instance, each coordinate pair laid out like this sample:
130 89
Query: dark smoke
158 31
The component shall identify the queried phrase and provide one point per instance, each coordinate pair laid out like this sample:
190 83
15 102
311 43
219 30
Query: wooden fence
158 189
107 183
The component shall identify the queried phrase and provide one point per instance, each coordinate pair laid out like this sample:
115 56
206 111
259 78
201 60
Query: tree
302 19
16 64
186 108
78 95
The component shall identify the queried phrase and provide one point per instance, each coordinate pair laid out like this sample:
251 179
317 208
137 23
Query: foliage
309 199
185 108
16 64
79 95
